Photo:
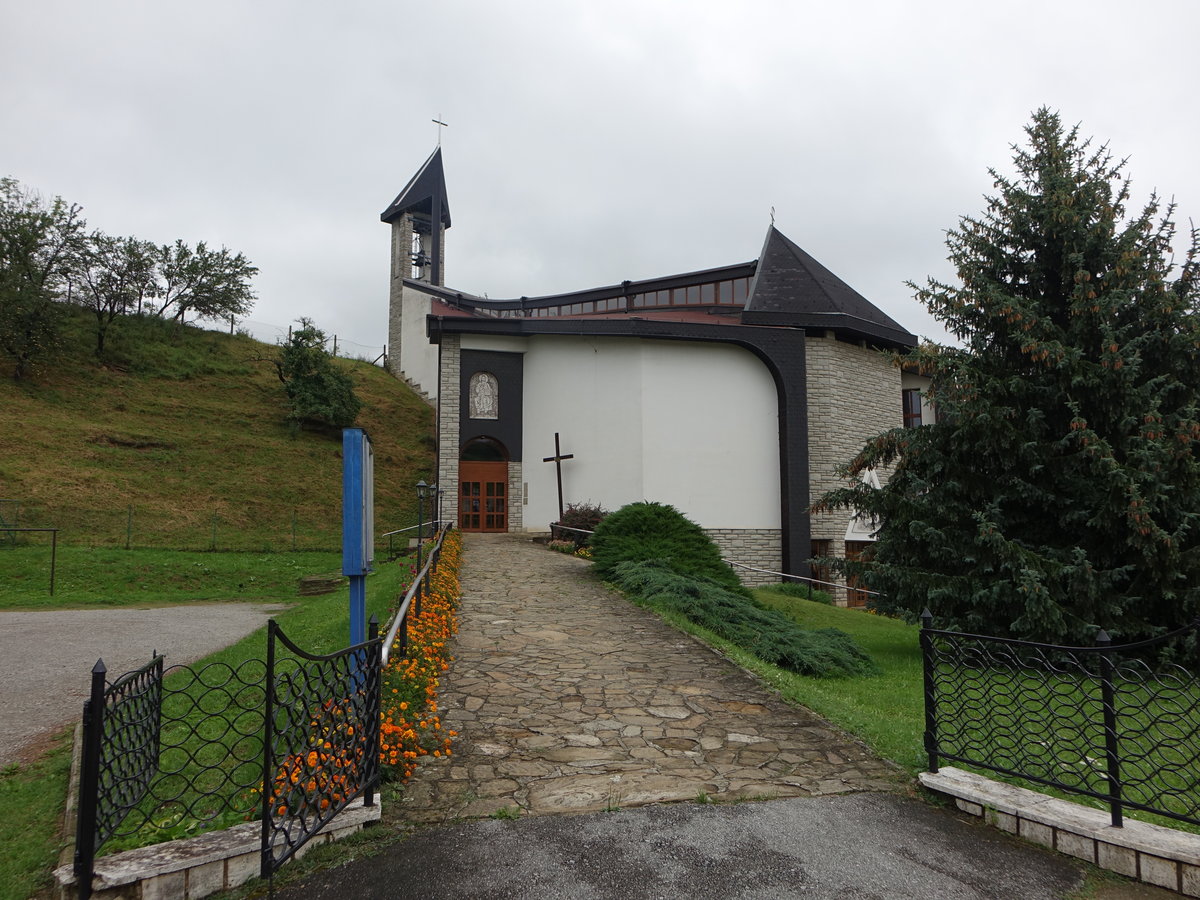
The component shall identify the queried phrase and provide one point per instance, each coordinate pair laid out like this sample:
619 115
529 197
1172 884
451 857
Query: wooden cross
557 459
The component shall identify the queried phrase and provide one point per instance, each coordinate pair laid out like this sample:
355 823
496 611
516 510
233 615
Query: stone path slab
567 698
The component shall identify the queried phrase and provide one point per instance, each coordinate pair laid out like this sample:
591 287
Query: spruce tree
1059 490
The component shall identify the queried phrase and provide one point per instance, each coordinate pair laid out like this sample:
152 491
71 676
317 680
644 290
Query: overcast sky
588 142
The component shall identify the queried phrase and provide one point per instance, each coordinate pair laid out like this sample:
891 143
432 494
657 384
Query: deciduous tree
38 241
1059 490
203 283
319 394
114 276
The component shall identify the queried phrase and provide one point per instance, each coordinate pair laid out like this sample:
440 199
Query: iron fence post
89 782
53 557
266 868
375 685
931 745
1111 749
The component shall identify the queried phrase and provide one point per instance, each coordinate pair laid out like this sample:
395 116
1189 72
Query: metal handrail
402 611
554 525
803 578
434 522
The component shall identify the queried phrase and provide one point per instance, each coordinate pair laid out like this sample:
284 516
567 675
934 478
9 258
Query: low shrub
583 516
768 634
655 531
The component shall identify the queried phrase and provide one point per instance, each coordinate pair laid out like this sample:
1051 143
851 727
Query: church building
730 393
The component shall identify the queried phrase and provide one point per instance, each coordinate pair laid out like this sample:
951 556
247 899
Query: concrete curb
196 867
1150 853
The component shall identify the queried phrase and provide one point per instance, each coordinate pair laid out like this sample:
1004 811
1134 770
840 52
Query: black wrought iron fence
173 752
121 743
322 746
1107 722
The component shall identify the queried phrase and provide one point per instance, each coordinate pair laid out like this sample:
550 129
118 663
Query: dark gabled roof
418 194
792 289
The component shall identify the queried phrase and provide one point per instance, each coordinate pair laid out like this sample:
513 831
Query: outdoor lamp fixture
432 493
422 493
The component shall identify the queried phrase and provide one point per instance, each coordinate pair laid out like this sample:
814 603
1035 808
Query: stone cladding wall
853 395
449 399
402 232
516 497
759 547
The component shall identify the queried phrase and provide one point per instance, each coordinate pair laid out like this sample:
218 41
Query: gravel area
46 657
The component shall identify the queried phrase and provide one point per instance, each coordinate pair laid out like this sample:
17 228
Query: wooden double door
483 496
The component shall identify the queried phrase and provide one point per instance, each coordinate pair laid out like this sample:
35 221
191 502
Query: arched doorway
483 486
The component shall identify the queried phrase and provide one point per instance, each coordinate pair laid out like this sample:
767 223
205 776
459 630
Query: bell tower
419 217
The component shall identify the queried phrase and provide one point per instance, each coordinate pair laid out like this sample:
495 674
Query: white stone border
1150 853
196 867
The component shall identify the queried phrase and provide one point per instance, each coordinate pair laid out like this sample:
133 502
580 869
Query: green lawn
32 798
105 577
886 710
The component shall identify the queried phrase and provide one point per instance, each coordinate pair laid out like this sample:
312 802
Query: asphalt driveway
46 657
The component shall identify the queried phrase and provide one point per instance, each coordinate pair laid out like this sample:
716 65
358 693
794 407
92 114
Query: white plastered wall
686 423
418 357
921 383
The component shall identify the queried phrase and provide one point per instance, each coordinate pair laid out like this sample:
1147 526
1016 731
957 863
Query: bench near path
567 698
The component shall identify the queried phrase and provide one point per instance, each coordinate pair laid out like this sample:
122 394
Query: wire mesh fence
168 753
1115 723
134 526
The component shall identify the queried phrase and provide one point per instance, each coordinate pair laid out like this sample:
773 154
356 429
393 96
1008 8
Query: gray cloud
588 142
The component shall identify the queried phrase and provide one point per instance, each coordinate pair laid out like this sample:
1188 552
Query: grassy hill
177 439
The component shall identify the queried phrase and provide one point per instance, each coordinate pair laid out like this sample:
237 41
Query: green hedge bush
655 531
768 634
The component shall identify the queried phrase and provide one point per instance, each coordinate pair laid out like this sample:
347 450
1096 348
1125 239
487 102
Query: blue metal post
355 555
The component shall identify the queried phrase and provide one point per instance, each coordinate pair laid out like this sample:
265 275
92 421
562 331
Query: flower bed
411 727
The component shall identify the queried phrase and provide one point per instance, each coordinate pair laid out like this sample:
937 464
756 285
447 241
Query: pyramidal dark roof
792 289
418 194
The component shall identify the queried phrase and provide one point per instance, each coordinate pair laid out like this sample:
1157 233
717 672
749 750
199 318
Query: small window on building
741 290
484 396
912 407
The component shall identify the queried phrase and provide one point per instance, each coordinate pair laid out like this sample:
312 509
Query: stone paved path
568 698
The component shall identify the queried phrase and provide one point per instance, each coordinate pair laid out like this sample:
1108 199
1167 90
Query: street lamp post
422 493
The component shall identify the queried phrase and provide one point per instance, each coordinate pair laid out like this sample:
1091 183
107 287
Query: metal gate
321 741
